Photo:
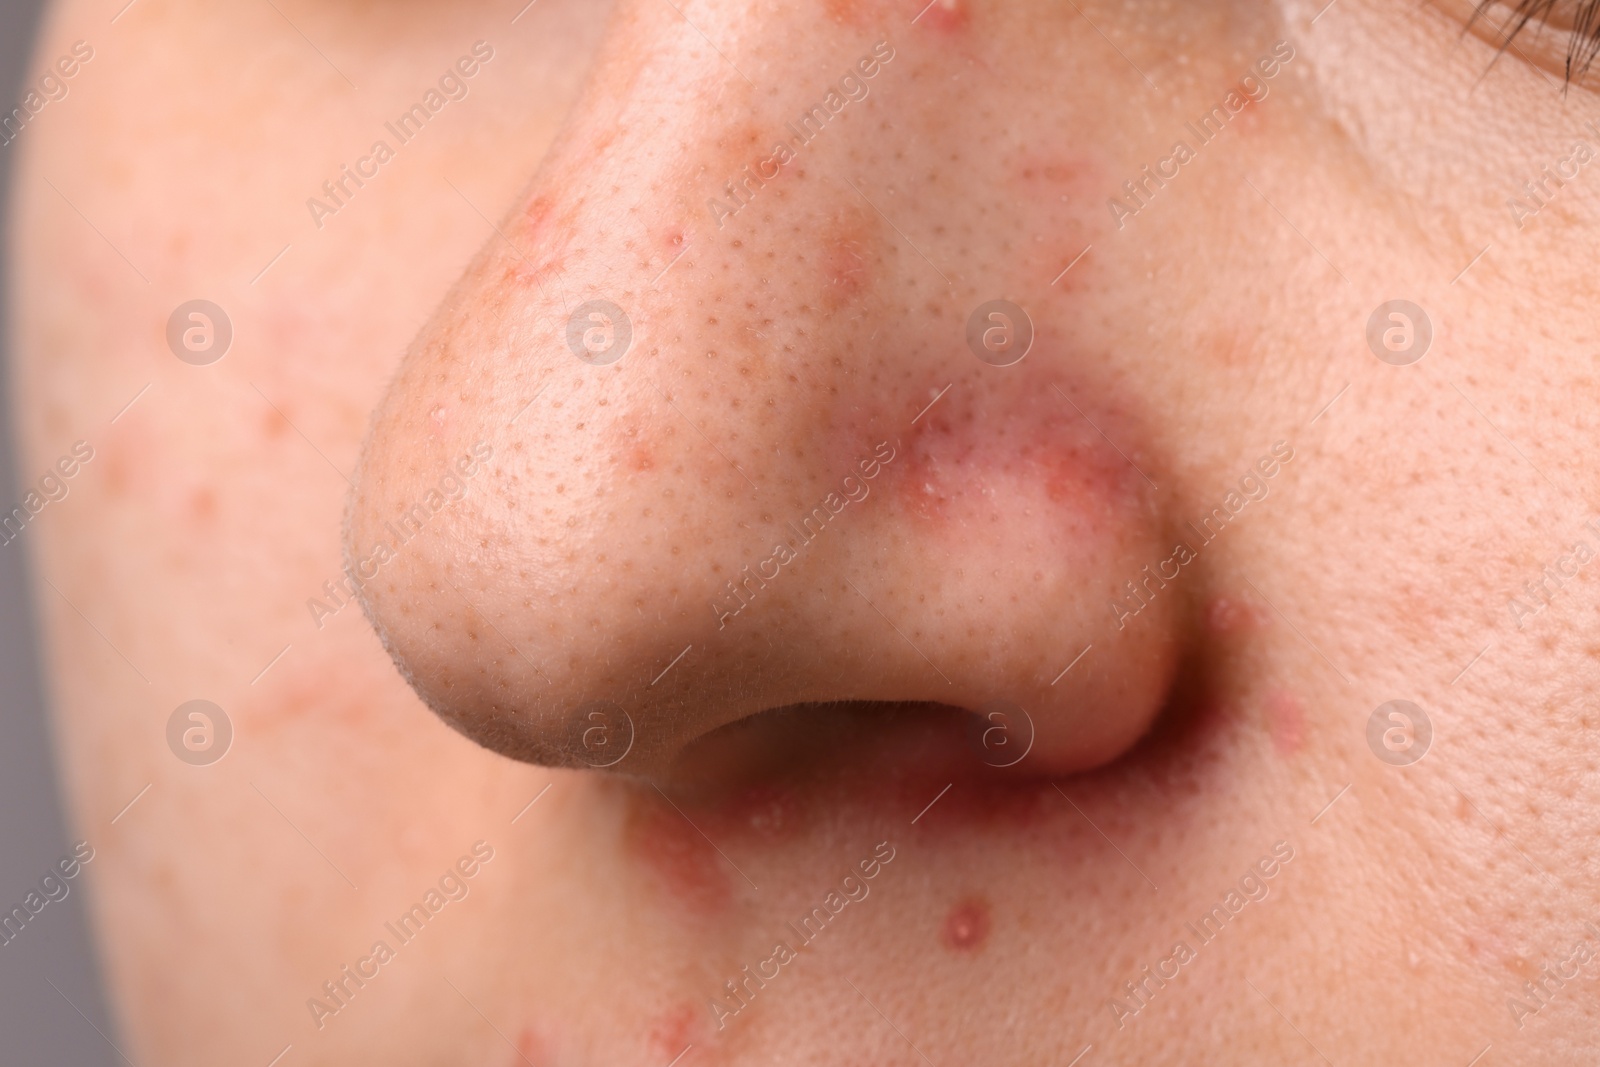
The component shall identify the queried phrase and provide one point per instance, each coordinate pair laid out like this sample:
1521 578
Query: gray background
67 1024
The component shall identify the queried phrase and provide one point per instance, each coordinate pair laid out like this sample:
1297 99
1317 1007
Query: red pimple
947 16
531 1049
677 1029
682 860
641 459
1250 119
966 928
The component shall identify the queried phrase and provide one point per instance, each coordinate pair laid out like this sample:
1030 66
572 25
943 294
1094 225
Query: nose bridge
724 289
720 130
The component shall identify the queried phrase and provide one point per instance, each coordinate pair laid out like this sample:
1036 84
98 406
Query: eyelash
1584 44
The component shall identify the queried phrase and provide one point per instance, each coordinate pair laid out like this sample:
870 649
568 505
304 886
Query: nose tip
704 489
630 571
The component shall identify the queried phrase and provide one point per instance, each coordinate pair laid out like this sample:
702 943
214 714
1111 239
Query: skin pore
809 855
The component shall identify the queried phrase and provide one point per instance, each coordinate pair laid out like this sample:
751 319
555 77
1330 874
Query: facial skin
1387 531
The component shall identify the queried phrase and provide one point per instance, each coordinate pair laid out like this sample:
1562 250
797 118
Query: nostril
809 744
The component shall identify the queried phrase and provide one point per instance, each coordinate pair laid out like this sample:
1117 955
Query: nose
705 436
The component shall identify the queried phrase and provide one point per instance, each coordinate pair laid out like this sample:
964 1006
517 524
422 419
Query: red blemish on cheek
116 477
531 1049
203 505
966 928
676 1030
681 860
274 425
947 16
1286 722
1251 119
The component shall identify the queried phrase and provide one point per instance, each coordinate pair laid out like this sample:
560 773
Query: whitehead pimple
966 928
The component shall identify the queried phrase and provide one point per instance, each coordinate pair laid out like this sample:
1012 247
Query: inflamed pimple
948 16
957 461
532 1049
967 926
676 1029
681 861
